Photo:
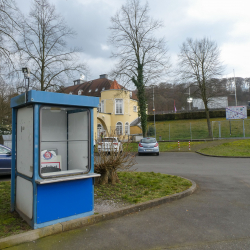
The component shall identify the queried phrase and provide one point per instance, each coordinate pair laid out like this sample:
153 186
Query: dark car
5 160
148 145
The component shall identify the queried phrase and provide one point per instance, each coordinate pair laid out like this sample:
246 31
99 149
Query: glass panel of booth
64 141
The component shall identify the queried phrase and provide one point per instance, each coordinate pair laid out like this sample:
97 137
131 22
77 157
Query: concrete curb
222 156
86 221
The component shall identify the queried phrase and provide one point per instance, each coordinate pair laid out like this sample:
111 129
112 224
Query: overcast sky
225 21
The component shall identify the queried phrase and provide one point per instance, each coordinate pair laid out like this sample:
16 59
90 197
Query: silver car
148 145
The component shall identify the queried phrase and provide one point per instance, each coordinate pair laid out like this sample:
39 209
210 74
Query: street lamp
189 99
154 108
26 73
235 90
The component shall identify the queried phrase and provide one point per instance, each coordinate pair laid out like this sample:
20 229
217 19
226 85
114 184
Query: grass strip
10 223
165 146
136 187
235 148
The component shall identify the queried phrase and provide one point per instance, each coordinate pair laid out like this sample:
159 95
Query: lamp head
26 72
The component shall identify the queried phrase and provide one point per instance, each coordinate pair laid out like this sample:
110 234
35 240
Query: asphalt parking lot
216 216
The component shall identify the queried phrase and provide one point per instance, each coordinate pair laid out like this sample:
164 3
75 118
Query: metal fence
231 128
193 131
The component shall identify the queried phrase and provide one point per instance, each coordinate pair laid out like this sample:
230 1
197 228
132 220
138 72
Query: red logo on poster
47 155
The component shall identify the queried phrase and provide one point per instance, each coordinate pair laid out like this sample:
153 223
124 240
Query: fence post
178 145
213 129
169 132
189 148
243 128
219 131
230 126
190 131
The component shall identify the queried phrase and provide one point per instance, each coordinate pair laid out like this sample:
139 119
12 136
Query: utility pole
154 108
235 90
189 99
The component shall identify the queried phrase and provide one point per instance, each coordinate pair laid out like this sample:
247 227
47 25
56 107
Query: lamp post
26 73
235 90
154 108
189 99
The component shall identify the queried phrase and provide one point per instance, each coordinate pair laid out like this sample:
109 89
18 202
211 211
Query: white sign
236 112
50 164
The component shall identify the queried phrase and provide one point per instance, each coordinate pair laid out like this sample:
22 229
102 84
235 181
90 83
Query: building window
119 128
99 107
89 90
130 94
70 93
79 92
99 130
96 89
103 88
119 106
135 108
127 128
102 106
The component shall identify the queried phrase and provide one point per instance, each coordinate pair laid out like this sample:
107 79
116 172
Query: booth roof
42 97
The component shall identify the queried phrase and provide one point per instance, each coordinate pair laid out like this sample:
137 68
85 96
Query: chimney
79 81
104 76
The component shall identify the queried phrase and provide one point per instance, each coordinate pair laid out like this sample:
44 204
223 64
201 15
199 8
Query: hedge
189 115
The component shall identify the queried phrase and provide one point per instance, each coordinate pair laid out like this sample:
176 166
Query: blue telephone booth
52 178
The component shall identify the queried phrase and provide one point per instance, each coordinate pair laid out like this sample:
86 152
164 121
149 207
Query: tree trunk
141 98
113 177
104 178
208 122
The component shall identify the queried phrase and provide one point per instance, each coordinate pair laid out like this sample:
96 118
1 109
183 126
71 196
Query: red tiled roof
95 87
115 85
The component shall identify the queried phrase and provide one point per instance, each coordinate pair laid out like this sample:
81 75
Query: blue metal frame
37 99
13 161
41 97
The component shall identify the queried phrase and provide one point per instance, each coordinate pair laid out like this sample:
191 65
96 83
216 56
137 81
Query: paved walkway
216 216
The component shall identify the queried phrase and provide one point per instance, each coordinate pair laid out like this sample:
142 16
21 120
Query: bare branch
199 64
45 49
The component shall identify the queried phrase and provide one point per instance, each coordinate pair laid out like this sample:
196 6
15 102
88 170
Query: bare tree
199 64
142 58
6 93
45 49
109 164
9 28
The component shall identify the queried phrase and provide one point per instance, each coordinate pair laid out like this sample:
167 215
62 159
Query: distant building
118 107
214 103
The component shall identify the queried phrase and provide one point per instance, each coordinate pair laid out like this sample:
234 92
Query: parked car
109 144
148 145
5 160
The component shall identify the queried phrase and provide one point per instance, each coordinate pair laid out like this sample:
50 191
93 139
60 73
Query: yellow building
118 108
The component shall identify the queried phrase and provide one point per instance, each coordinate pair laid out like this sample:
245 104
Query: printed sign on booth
50 159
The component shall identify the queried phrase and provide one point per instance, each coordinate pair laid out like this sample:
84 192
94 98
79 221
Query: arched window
119 128
99 129
127 128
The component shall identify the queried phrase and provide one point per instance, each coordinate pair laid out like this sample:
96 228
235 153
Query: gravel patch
103 206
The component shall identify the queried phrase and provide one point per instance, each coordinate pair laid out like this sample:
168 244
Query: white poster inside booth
50 159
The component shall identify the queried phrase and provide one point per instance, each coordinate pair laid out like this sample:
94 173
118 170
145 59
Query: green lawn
138 187
234 148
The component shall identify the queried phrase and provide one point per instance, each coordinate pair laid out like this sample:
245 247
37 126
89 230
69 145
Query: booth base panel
49 223
62 201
